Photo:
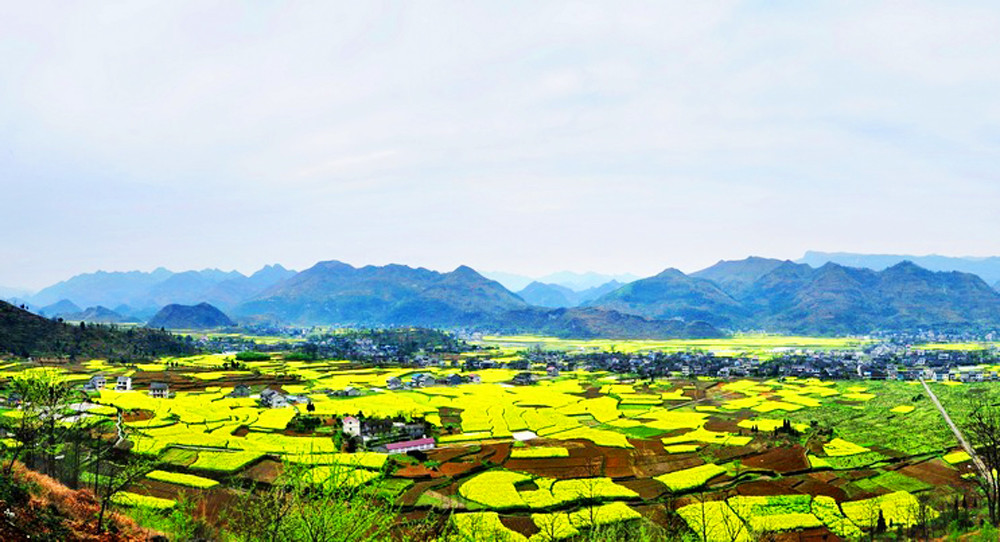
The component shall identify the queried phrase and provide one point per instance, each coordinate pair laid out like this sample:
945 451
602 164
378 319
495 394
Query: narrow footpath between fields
980 466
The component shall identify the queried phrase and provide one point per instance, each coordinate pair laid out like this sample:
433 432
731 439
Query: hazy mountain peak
988 268
466 270
671 272
200 316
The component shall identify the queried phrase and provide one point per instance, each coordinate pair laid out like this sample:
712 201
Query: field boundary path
980 466
120 427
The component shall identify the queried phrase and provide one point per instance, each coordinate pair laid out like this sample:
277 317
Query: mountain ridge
789 297
988 267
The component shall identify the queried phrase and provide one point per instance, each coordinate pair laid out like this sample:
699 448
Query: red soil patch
456 468
935 472
138 415
585 459
727 453
816 487
447 454
657 465
647 488
780 460
501 452
823 476
657 513
654 446
619 463
449 490
266 471
592 393
558 467
723 426
821 534
416 472
521 524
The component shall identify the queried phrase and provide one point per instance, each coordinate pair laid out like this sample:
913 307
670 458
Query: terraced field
719 459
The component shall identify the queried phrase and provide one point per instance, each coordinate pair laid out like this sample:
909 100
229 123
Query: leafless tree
119 469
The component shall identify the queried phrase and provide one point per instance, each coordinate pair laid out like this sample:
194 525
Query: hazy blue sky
526 137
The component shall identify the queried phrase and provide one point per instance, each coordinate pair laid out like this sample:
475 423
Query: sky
527 137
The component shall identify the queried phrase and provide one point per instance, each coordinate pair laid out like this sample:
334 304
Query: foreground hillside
28 335
36 507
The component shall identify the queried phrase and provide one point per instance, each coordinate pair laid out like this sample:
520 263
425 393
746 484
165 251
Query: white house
123 383
352 426
273 398
97 382
159 389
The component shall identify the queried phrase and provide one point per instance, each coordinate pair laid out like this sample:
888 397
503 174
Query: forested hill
25 334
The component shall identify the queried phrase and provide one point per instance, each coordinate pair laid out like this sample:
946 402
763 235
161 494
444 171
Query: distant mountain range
750 294
987 268
782 296
557 296
141 294
335 293
571 280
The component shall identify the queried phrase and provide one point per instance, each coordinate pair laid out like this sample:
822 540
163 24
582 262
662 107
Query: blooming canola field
728 458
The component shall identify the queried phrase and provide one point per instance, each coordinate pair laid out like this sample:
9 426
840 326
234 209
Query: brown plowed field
935 472
647 488
520 524
780 460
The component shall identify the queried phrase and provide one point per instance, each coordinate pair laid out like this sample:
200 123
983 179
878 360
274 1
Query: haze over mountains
141 294
987 268
750 294
559 296
778 296
571 280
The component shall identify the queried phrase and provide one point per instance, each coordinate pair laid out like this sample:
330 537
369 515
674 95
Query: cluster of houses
272 398
879 361
124 383
394 437
425 380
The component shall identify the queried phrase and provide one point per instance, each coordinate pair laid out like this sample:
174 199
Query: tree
982 428
589 490
299 506
46 423
117 469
